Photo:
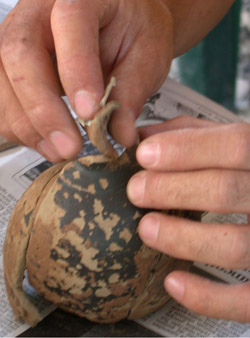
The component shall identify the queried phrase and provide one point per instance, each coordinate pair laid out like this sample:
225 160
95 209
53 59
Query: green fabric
211 67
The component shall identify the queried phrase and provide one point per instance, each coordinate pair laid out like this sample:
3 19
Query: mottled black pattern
115 201
27 217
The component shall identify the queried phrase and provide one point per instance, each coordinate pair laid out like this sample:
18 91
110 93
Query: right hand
56 47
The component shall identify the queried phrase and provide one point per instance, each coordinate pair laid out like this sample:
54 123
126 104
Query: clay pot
75 232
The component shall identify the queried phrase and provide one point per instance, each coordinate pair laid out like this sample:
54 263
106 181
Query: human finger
214 190
34 81
142 68
208 298
5 130
75 27
11 113
190 240
222 146
15 125
180 122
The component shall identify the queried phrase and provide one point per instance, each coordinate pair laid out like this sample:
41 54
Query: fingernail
136 188
85 104
148 154
64 145
175 288
149 229
45 149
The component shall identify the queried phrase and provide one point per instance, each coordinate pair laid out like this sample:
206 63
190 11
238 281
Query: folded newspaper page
20 166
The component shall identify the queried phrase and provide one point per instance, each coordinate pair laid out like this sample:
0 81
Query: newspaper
20 166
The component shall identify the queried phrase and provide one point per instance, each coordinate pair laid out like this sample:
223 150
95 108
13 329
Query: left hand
53 47
194 164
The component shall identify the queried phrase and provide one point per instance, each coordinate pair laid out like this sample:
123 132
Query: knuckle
39 116
240 136
227 190
17 126
24 131
239 254
14 47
